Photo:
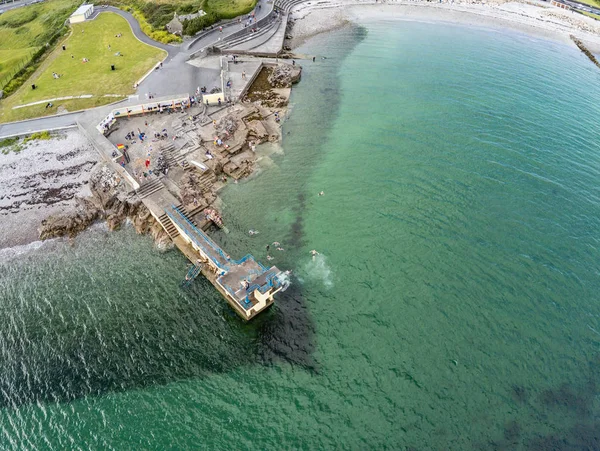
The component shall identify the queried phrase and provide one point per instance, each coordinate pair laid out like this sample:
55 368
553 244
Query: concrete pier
247 285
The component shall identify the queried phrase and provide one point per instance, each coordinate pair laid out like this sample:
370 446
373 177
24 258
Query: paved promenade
176 74
43 123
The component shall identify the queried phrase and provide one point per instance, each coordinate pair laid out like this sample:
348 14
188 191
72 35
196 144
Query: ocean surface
455 302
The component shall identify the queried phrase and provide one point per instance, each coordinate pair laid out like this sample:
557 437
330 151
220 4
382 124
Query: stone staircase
265 30
194 211
173 157
186 213
168 225
152 185
207 179
287 5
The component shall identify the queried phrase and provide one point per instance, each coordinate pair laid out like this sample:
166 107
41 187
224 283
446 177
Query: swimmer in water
314 253
280 249
252 232
322 193
276 243
269 257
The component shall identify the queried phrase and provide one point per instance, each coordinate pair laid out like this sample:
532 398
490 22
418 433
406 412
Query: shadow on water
76 333
573 404
65 337
49 357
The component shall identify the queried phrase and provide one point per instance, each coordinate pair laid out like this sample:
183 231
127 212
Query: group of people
213 216
161 135
278 247
131 136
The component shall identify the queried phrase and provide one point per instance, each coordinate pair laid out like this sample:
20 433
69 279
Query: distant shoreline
537 18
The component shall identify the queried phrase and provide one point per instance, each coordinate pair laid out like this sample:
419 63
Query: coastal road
135 27
17 4
175 77
580 6
35 125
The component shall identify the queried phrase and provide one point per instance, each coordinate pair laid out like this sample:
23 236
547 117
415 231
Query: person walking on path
243 75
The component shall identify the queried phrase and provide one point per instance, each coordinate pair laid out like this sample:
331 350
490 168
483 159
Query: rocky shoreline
109 201
251 123
41 178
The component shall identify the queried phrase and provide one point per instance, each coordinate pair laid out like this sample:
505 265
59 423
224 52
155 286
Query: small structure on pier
247 285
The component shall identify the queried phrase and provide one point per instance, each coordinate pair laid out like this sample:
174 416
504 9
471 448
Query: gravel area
46 177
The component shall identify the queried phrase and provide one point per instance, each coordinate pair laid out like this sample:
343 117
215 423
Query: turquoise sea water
454 303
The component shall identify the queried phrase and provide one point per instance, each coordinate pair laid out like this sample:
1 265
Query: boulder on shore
284 76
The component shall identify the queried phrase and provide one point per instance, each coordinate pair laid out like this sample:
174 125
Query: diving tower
246 284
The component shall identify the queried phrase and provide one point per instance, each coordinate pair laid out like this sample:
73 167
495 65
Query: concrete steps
207 179
227 44
244 35
260 40
173 157
287 5
186 213
194 211
168 225
150 187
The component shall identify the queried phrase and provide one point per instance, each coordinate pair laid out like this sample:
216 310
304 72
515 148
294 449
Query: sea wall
585 50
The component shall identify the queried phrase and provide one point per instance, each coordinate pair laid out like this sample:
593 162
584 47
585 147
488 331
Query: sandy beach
539 19
44 178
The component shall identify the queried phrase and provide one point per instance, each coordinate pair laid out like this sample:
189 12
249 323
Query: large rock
227 126
284 75
257 131
107 202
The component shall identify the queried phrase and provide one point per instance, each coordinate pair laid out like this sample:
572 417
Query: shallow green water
454 304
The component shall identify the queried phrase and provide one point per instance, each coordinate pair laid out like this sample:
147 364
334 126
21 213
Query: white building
82 13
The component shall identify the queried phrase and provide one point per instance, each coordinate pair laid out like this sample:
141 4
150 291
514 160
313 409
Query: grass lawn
11 60
88 40
230 8
595 3
24 30
594 16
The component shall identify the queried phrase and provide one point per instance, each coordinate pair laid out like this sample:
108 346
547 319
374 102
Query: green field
94 77
593 16
154 15
25 30
230 8
591 3
12 60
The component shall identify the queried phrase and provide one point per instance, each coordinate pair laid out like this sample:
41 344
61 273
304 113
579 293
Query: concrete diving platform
246 284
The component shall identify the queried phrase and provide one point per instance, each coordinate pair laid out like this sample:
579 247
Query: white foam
8 253
318 269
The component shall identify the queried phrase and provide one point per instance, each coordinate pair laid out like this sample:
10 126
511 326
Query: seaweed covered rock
284 75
